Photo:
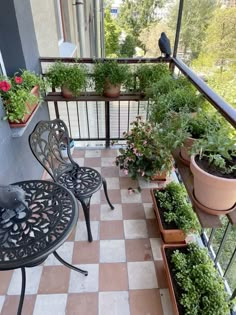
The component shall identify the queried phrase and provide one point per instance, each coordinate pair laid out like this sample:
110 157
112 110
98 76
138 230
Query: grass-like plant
173 200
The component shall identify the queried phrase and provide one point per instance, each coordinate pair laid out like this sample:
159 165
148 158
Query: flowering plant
144 154
16 94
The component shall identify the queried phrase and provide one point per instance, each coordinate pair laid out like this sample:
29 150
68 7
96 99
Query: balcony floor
126 275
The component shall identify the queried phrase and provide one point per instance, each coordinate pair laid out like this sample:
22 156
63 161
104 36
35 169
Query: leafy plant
111 71
203 291
70 76
144 155
173 199
218 149
148 74
16 93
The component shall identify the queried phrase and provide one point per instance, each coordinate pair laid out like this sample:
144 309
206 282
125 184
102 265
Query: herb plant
73 77
173 199
110 71
144 154
203 291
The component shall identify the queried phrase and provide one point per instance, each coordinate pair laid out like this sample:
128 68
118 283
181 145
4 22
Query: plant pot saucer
185 162
211 211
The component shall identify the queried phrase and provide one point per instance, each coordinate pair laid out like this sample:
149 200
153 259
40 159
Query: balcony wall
16 160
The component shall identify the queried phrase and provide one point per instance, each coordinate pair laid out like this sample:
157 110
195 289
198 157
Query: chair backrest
46 142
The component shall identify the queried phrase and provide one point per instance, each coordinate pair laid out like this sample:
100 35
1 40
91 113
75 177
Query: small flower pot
66 92
160 176
185 149
170 236
111 90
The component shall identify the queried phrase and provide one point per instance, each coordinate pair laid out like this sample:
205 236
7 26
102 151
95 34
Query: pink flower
145 142
126 172
135 150
18 80
130 190
4 86
143 173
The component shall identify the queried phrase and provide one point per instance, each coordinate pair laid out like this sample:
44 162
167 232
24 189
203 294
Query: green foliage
71 76
173 199
149 74
111 71
144 154
203 291
218 148
112 34
127 48
18 99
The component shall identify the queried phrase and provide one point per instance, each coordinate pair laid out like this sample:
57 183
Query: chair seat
82 181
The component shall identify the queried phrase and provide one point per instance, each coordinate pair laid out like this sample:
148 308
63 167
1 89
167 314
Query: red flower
4 86
18 80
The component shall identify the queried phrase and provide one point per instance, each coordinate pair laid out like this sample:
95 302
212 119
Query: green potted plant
109 76
71 79
144 154
149 74
194 283
214 171
174 213
20 95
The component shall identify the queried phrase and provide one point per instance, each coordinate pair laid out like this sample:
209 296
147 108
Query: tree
195 20
135 15
112 34
149 38
127 48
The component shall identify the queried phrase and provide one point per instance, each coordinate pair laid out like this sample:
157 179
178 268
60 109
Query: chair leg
84 272
105 191
86 208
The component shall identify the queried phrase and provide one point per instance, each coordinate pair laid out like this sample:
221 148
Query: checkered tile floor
126 275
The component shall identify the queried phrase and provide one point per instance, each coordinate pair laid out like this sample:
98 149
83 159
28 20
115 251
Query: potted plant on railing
20 95
71 79
144 154
109 76
214 171
174 213
194 283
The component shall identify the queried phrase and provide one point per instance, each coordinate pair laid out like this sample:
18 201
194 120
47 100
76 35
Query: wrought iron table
28 236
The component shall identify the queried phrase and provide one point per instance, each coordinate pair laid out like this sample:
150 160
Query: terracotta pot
66 92
111 90
31 109
211 191
168 275
187 148
169 236
160 176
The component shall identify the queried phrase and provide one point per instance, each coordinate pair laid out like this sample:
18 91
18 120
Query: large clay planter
168 275
213 192
111 90
31 109
169 236
186 148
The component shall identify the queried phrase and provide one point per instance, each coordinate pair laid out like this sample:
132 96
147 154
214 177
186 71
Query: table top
27 237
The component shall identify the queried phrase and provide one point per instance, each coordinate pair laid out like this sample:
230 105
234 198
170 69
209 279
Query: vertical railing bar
128 115
68 117
107 123
86 105
119 119
56 105
138 107
97 120
78 118
230 262
211 237
227 230
178 27
147 113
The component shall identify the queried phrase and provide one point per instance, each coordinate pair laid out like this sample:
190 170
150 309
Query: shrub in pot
174 213
144 154
109 76
70 78
20 95
214 171
195 284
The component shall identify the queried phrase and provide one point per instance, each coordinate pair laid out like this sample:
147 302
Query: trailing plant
73 77
144 154
16 93
148 74
173 200
110 71
203 291
218 149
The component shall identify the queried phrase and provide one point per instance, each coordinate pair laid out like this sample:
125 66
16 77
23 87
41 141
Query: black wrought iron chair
46 142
